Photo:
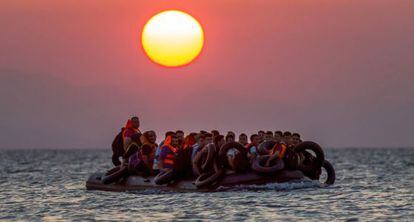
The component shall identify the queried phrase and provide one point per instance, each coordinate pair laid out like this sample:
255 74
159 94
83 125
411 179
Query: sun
172 38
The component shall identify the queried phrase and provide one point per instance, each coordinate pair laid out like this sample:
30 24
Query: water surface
372 184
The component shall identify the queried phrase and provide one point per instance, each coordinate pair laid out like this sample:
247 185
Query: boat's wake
292 185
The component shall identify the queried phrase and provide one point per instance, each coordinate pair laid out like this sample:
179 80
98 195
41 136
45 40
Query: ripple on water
374 184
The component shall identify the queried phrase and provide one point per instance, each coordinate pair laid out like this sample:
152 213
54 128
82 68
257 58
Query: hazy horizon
340 73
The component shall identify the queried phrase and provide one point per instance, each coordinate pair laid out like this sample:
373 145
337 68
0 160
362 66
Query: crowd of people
140 151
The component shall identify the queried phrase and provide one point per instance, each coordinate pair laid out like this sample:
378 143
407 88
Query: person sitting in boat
296 139
139 160
169 153
253 146
278 136
157 152
268 136
184 163
243 139
180 136
229 138
131 128
148 140
201 142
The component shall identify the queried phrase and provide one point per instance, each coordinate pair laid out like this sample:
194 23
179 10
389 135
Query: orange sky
339 72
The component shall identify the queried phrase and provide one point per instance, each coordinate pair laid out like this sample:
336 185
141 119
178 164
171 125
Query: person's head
219 141
201 140
169 133
254 139
261 134
296 138
278 136
215 133
209 138
174 140
180 135
229 138
203 132
268 136
151 136
231 133
135 122
243 139
287 136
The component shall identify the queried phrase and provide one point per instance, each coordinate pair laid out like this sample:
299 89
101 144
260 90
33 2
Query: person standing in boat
131 128
123 139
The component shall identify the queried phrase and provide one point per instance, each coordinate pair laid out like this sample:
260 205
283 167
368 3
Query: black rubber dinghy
229 180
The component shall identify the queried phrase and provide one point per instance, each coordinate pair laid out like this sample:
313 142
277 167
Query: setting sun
172 38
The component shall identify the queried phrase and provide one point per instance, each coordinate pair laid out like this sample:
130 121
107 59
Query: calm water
372 184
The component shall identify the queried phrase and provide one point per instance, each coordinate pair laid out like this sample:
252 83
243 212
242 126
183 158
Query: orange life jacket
280 148
169 158
128 126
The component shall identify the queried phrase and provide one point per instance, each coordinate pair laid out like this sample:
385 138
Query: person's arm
115 159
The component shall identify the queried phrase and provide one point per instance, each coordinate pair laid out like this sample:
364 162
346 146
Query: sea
49 185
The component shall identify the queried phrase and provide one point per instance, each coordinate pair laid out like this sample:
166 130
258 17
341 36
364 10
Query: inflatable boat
224 171
133 183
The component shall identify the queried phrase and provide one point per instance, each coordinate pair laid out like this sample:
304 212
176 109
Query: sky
341 73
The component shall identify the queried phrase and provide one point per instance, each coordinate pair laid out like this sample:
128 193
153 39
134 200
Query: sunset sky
339 72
